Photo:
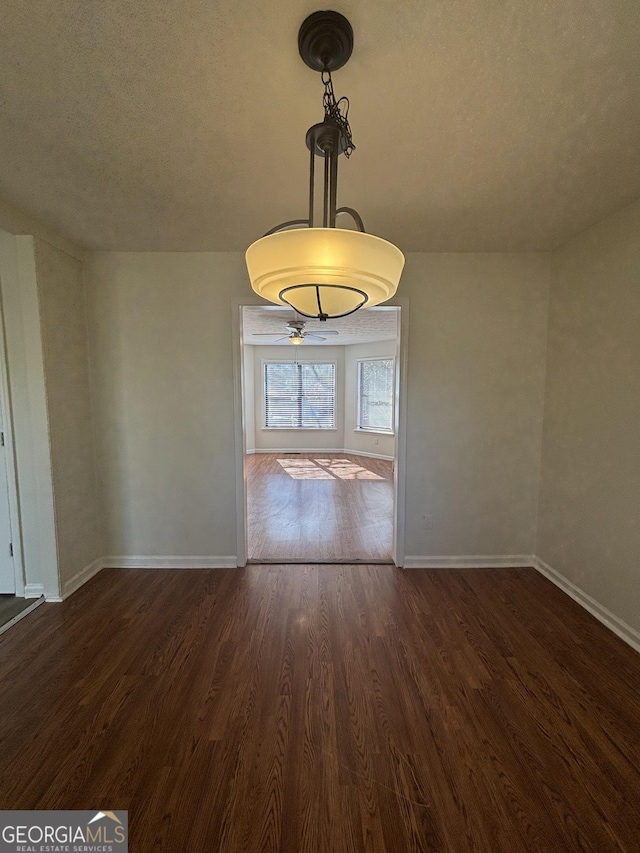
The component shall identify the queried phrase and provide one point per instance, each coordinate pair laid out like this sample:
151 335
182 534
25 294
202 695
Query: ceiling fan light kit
297 333
323 271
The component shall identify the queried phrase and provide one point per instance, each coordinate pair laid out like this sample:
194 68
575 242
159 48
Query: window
299 396
375 394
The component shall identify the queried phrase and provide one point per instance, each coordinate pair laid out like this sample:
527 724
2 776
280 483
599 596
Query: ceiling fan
297 333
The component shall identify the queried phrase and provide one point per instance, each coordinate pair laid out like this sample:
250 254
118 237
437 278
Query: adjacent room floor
13 608
326 709
319 507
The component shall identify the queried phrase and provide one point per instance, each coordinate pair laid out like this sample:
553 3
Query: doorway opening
321 437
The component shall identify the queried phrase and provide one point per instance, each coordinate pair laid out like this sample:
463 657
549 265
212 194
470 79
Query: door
7 569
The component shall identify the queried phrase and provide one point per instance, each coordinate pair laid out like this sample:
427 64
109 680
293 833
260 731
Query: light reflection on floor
320 506
326 469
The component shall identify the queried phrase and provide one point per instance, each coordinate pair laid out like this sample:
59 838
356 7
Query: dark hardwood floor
319 507
326 708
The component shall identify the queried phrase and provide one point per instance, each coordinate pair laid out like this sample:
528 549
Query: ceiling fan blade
264 334
311 335
325 332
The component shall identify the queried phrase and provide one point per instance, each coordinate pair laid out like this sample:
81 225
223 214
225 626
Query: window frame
331 361
376 430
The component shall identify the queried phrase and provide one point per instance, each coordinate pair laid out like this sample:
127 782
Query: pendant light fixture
324 271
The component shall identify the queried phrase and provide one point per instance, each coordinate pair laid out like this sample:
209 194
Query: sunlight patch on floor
326 469
304 469
345 469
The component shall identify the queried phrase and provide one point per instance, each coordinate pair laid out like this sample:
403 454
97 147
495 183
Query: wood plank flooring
319 507
326 708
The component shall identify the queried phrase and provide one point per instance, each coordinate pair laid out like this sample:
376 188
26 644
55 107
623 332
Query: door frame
400 458
10 461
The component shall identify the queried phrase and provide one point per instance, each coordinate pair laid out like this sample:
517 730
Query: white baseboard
319 450
370 455
74 583
229 562
613 622
298 450
515 561
602 614
36 590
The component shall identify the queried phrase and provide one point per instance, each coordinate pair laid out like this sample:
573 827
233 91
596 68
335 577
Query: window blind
300 396
375 395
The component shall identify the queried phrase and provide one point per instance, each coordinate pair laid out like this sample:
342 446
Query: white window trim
332 361
368 430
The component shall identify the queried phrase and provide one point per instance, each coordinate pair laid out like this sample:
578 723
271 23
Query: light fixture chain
337 111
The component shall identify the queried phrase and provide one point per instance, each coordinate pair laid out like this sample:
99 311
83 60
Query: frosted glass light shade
340 269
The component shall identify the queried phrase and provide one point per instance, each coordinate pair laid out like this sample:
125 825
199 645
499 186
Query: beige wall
590 482
477 333
160 335
160 329
79 527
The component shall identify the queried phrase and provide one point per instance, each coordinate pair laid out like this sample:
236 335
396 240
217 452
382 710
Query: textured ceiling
179 125
266 326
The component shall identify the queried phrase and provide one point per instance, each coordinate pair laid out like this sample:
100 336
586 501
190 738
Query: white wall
160 328
248 398
590 484
376 444
344 437
292 439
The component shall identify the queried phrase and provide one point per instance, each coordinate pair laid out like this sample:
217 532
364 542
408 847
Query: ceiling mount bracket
325 41
324 138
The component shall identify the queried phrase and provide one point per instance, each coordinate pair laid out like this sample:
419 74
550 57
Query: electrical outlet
428 522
